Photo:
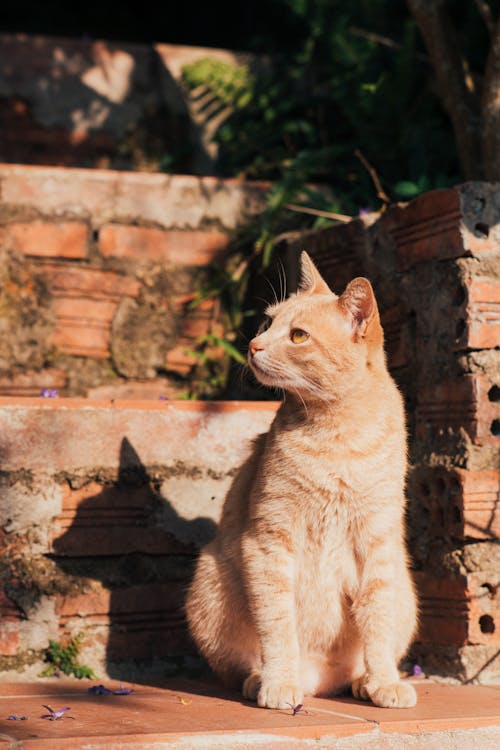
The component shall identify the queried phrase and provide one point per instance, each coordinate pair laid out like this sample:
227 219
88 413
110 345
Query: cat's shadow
130 538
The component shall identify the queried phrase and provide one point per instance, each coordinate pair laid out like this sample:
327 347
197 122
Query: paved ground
191 714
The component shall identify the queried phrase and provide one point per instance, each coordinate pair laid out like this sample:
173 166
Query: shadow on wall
129 538
80 103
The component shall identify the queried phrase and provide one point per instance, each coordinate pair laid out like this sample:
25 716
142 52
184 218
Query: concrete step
189 715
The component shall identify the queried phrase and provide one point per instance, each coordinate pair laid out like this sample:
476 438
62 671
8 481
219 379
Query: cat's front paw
251 686
358 688
277 695
397 695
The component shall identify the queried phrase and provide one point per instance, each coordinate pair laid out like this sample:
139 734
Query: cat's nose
254 347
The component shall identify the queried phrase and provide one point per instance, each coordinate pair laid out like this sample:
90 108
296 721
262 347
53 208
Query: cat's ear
358 302
311 280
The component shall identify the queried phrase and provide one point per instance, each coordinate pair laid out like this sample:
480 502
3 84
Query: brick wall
107 105
98 271
435 266
103 506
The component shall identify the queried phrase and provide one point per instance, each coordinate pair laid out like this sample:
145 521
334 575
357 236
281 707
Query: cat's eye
298 336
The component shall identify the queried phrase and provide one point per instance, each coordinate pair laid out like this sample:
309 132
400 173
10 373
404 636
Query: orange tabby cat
306 588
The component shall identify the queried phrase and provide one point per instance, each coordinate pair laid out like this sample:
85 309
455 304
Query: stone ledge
191 714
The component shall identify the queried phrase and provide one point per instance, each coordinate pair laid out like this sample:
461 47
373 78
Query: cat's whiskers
282 277
276 301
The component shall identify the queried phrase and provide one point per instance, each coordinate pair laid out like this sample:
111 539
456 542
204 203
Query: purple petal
123 690
54 715
162 398
417 670
15 717
99 690
49 393
364 211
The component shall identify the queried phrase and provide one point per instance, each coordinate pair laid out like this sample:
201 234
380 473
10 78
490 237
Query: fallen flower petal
15 717
296 709
55 715
99 690
122 690
417 670
49 393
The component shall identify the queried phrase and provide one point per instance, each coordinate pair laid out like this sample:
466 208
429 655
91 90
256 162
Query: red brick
74 280
394 324
189 247
461 503
106 520
9 612
140 621
466 404
54 435
479 327
9 641
458 610
137 390
32 382
84 301
180 360
427 228
67 239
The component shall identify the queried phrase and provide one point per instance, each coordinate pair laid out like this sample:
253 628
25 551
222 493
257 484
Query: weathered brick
65 239
479 325
143 621
31 383
458 610
188 247
427 228
461 503
106 520
182 434
75 280
170 201
394 323
136 390
84 301
9 640
466 404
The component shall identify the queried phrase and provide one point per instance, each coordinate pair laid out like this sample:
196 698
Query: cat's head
316 343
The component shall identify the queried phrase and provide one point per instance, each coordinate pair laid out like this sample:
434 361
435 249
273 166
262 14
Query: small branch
460 103
491 110
317 212
486 14
385 41
373 174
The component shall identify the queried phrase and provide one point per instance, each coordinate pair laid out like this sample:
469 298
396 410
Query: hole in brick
425 489
494 393
459 296
441 517
454 486
495 427
459 329
487 624
492 590
482 228
457 514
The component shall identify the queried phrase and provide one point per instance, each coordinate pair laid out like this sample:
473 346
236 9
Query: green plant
64 659
340 118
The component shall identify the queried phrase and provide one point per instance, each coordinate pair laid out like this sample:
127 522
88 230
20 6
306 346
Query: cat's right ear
311 280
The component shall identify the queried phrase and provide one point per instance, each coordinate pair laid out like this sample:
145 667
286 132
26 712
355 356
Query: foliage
64 659
349 97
